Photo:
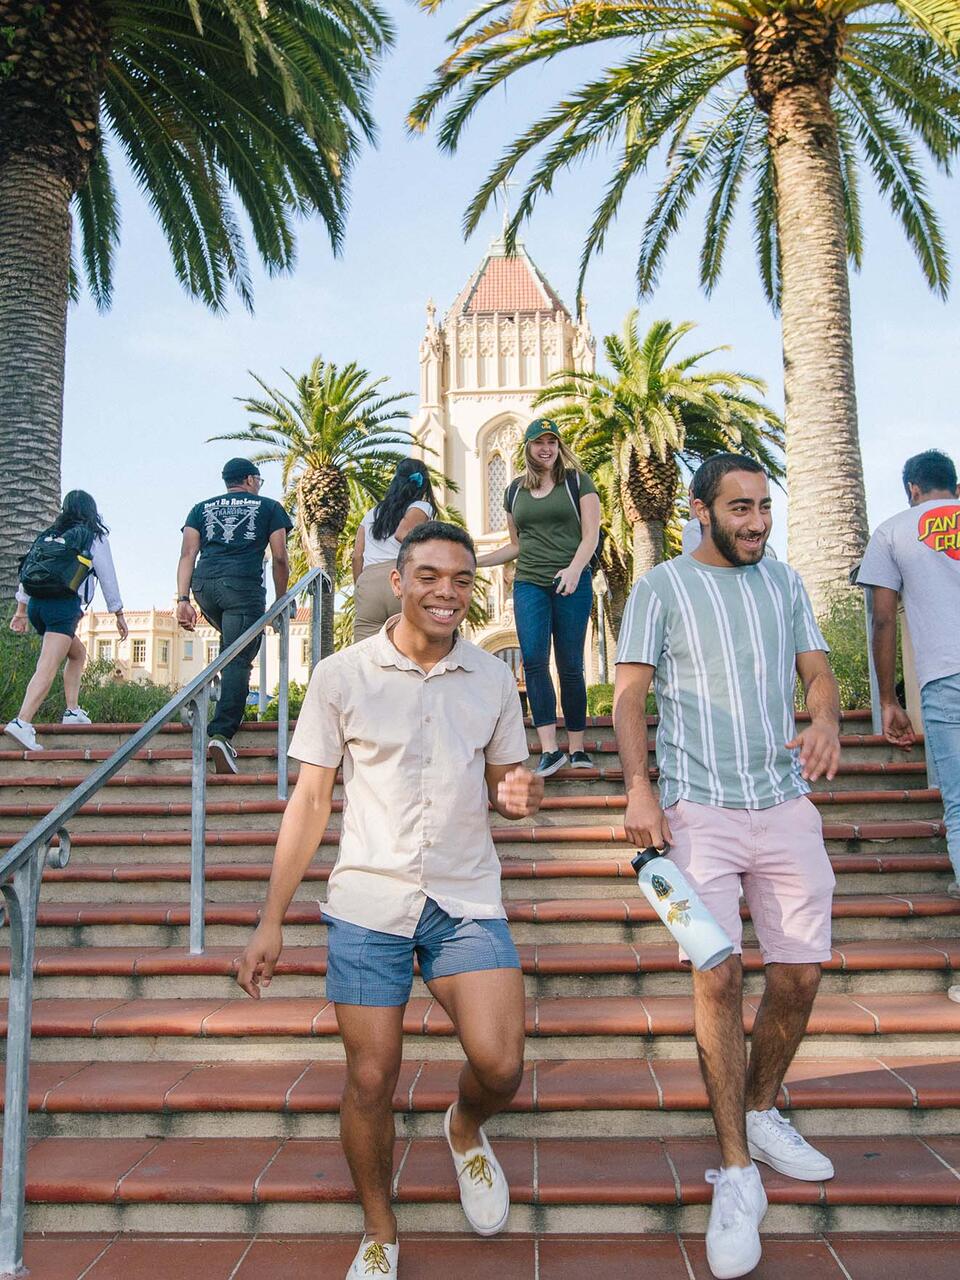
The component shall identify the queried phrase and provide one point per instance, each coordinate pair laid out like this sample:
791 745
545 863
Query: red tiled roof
508 285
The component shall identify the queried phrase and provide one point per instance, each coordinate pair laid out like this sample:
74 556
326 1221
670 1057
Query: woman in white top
79 526
408 502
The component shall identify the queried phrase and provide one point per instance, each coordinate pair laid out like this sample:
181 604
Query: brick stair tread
577 1084
55 1256
924 1013
542 1171
550 804
850 768
544 959
557 911
873 830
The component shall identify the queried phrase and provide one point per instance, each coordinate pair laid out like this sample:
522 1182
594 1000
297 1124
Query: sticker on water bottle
679 913
661 887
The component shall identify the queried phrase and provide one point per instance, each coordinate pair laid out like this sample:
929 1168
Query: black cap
643 856
237 469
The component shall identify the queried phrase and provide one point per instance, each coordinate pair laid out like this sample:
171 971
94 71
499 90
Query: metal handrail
21 872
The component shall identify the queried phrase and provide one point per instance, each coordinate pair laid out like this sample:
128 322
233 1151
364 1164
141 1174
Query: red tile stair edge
545 959
907 830
544 1171
550 804
633 1084
930 1013
560 910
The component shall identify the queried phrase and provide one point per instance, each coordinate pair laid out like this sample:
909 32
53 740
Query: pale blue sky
151 380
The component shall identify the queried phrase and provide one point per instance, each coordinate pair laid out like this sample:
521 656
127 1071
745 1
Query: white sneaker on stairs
733 1233
773 1140
374 1259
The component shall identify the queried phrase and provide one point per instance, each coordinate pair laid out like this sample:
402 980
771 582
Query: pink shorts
779 856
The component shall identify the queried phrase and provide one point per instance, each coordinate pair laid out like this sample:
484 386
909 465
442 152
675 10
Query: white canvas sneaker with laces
773 1140
23 733
374 1259
484 1192
76 715
733 1233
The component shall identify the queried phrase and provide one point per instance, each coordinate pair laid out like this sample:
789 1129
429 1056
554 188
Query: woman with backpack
58 576
553 522
408 502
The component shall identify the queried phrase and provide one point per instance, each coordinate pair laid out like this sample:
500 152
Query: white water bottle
679 907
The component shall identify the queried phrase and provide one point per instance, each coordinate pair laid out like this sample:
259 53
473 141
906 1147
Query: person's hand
520 792
256 965
18 623
644 821
897 727
186 615
122 624
819 750
567 581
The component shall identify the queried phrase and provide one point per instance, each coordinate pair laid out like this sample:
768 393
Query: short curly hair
434 531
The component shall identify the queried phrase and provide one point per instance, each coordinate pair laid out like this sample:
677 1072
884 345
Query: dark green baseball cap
541 427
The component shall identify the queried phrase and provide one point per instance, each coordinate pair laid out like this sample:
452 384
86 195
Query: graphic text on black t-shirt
234 530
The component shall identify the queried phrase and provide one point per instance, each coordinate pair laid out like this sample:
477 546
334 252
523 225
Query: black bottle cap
643 856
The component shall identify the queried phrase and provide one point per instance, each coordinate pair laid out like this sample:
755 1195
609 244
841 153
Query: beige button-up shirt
414 747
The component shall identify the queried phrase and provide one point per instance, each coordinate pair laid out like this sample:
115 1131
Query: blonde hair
566 460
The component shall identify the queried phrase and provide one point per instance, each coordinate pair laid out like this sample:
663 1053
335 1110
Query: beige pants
373 600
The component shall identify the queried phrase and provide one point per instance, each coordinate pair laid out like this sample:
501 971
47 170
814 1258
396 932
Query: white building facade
481 366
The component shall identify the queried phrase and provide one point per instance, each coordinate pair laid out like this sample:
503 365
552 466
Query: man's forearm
823 698
184 574
885 657
301 830
630 728
281 576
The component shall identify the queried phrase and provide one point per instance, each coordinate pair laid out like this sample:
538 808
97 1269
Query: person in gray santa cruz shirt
722 634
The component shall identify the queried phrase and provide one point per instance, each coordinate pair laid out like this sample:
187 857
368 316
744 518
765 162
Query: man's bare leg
718 1019
780 1026
373 1039
487 1010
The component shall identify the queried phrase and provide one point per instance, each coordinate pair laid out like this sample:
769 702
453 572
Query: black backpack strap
572 480
512 493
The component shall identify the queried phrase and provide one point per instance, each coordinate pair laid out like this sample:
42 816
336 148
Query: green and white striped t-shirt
724 643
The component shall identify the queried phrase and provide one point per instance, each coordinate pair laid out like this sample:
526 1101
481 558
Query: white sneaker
24 733
954 994
773 1139
76 716
374 1260
733 1234
953 889
484 1192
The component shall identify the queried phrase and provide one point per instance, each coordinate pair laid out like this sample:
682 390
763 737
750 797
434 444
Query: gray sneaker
953 889
223 754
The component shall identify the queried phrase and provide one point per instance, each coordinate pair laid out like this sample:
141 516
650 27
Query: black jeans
231 605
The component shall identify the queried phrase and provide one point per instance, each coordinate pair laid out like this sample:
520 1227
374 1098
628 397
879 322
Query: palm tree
338 442
648 415
794 97
218 107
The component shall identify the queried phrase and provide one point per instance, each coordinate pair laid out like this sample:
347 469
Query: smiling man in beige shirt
429 729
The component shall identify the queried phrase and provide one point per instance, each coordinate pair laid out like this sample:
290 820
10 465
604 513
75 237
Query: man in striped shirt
722 635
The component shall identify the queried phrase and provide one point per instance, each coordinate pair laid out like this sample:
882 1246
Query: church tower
481 366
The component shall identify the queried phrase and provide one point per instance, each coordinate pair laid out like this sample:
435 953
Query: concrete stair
170 1109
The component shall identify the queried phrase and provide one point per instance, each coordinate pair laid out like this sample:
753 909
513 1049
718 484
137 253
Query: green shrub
600 701
108 700
844 629
297 694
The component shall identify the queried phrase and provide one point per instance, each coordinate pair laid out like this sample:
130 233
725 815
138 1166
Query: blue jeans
940 700
541 615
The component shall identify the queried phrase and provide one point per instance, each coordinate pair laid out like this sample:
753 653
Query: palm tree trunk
34 283
827 521
328 561
647 546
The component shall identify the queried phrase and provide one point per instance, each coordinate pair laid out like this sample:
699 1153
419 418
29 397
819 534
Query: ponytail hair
410 483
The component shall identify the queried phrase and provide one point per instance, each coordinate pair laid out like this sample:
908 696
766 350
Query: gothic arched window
496 483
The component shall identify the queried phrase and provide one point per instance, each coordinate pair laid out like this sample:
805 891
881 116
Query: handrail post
262 696
316 589
22 895
283 706
198 709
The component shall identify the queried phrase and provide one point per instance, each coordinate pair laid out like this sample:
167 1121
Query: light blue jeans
940 700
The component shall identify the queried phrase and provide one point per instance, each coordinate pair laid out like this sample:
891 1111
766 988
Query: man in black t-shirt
231 533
